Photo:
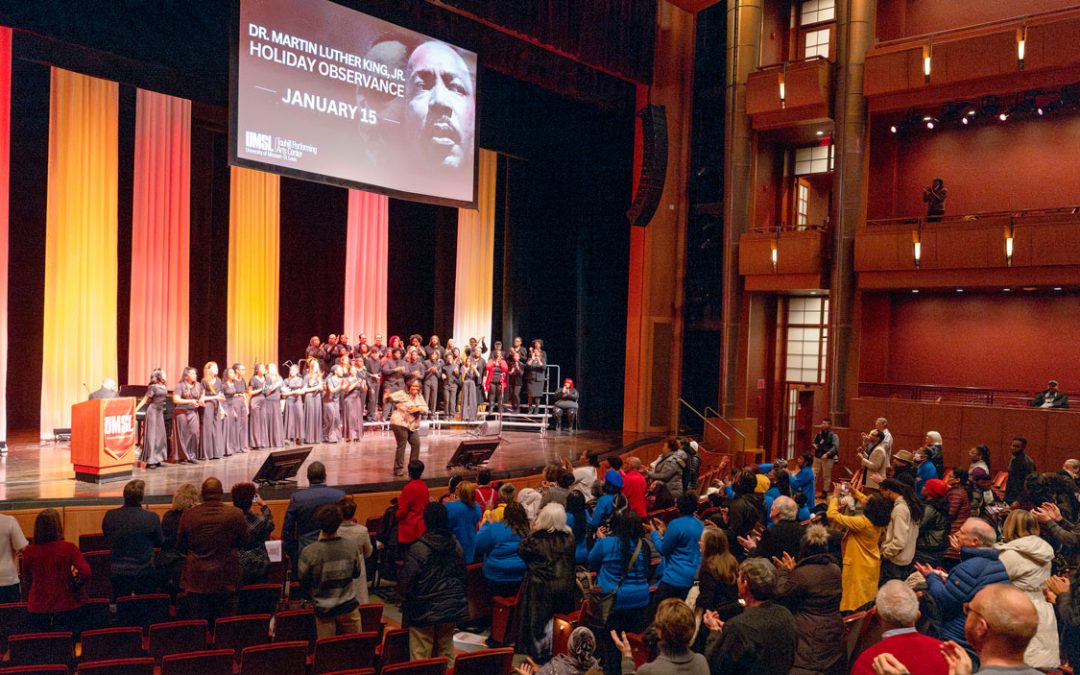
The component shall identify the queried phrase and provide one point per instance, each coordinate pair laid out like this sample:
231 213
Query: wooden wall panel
1053 45
974 58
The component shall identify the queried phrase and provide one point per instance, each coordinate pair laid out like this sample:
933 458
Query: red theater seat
32 649
343 652
14 619
421 667
485 662
140 666
395 647
240 632
48 669
208 662
274 659
177 637
259 598
100 583
112 643
295 624
142 610
371 618
89 543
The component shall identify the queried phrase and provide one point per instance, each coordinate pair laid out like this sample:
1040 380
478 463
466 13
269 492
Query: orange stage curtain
5 157
79 337
476 257
365 265
160 237
254 260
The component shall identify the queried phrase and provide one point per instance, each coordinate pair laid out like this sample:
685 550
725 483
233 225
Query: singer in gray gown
470 389
235 432
313 405
213 420
331 415
294 406
257 419
187 398
355 392
275 428
155 437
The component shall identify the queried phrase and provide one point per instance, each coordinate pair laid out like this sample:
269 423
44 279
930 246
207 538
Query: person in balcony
1051 397
934 196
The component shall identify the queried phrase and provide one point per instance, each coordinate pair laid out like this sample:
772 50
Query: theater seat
343 652
476 592
142 610
504 620
371 618
31 649
421 667
88 543
395 647
485 662
370 671
274 659
112 643
139 666
239 632
100 582
177 637
295 624
48 669
14 619
208 662
259 598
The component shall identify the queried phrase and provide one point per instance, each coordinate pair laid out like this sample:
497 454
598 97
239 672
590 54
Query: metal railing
704 419
1013 398
1057 213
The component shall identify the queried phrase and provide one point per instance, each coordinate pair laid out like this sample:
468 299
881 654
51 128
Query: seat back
239 632
274 659
295 624
14 619
421 667
485 662
140 666
48 669
395 646
207 662
371 618
477 594
89 543
369 671
176 637
100 583
142 610
863 629
112 643
33 649
342 652
259 598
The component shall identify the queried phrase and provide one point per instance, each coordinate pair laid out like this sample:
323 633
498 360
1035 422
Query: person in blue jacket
924 470
802 480
577 518
611 557
464 514
498 543
679 542
613 482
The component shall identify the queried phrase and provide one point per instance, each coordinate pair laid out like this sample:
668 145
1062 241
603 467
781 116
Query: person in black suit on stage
108 390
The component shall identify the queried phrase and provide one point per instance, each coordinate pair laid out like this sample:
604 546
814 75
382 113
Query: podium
103 439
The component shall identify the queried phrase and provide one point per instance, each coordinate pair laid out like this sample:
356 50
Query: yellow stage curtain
79 337
5 174
365 265
476 257
160 237
254 261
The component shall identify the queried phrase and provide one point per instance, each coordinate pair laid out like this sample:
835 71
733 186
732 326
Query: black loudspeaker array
653 165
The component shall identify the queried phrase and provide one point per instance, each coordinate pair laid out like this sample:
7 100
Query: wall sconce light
1009 245
783 92
916 242
773 253
1021 42
927 53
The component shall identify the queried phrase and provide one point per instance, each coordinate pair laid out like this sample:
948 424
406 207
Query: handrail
705 419
780 66
968 218
775 229
734 428
951 394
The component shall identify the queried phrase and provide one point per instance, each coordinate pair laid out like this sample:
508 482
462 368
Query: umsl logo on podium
119 426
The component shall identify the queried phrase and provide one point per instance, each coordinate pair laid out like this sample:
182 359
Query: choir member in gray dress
534 379
353 406
331 414
294 406
451 382
213 417
470 387
257 403
515 376
393 377
373 366
155 445
187 399
275 428
245 412
235 432
313 387
431 375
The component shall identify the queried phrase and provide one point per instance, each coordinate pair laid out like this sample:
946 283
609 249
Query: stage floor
39 473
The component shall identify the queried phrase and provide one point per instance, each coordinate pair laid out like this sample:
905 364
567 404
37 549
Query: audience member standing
934 528
433 584
133 533
327 570
1027 557
802 480
898 546
548 586
1020 466
12 542
634 486
169 561
783 536
874 458
358 534
464 515
499 544
898 610
810 588
414 498
621 561
55 571
211 535
299 527
254 558
859 547
667 476
679 543
826 445
674 626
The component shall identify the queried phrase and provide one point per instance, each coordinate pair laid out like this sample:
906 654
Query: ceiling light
1006 289
1003 116
930 125
892 128
1039 110
965 120
959 290
820 133
914 290
1057 288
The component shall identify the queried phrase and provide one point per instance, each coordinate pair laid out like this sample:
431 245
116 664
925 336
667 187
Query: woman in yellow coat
862 555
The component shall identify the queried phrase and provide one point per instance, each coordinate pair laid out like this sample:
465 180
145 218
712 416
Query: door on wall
798 420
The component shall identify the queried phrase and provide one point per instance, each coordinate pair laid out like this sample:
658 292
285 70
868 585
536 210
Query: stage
36 474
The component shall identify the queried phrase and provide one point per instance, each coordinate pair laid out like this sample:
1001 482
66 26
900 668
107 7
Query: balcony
783 259
790 94
979 60
971 250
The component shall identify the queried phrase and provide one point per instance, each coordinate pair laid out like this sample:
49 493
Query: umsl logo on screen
256 141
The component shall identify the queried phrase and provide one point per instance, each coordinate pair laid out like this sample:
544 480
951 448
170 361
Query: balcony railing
1055 214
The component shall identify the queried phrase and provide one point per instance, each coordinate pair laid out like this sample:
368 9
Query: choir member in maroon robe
187 399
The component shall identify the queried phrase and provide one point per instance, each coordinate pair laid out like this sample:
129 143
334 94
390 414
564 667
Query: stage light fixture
1039 110
959 290
1003 116
819 133
914 290
892 128
930 125
1007 290
964 120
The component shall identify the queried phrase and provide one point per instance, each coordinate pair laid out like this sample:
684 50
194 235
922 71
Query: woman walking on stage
235 433
515 375
155 444
294 406
470 386
213 418
355 392
275 429
187 399
405 423
331 414
257 404
451 381
313 386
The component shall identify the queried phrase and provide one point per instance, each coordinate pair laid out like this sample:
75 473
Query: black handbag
599 605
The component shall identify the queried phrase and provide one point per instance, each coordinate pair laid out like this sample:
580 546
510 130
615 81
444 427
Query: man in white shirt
12 541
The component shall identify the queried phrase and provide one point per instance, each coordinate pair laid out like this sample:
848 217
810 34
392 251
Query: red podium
103 439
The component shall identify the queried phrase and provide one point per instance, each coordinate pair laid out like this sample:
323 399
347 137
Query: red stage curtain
160 241
366 265
476 257
5 156
79 340
254 260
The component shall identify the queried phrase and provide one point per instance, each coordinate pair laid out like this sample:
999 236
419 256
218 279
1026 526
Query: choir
329 395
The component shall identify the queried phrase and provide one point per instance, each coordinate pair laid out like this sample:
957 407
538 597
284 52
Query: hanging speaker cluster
653 165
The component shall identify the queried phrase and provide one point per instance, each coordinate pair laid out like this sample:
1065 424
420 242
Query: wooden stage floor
37 474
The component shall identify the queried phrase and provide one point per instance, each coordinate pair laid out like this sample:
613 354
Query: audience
578 519
414 498
169 561
498 544
898 546
587 474
358 534
299 528
605 505
1027 557
503 496
132 533
579 658
464 515
621 561
935 527
432 583
783 536
802 479
761 639
933 453
744 513
898 610
810 588
254 558
980 458
874 458
56 572
12 542
679 544
210 536
486 489
1020 467
635 486
667 475
925 470
548 585
859 547
674 626
327 570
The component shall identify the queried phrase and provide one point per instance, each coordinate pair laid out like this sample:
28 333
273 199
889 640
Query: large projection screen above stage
325 93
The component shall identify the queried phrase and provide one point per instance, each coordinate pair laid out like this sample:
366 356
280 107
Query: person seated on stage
109 390
299 528
566 401
49 565
1050 397
132 532
327 570
211 534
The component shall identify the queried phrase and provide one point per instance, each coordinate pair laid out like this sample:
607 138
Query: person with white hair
530 499
932 447
548 585
108 390
898 609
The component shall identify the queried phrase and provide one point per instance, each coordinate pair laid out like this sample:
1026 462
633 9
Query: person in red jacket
495 381
414 497
898 609
55 602
634 486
